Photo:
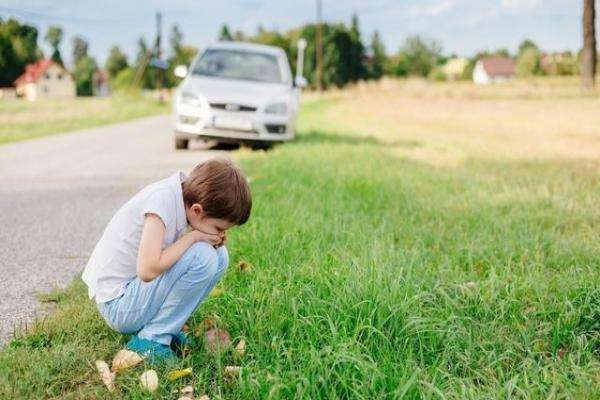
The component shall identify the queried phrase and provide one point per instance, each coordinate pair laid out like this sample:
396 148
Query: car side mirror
180 71
300 81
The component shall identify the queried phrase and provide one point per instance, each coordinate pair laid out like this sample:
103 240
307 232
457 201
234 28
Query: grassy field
25 120
416 241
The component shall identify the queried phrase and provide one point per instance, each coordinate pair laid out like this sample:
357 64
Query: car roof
244 46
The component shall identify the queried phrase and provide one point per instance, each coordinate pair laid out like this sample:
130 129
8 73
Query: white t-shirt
113 262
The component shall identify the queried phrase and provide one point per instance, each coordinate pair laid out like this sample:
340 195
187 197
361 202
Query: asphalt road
58 193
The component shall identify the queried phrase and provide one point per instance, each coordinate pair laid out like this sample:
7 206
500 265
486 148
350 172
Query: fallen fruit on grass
217 339
240 348
149 380
125 359
244 266
232 371
216 292
108 378
204 397
188 393
178 374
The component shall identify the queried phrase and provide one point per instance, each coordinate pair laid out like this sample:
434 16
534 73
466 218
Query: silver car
237 93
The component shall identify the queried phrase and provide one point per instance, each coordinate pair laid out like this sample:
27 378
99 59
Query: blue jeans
157 310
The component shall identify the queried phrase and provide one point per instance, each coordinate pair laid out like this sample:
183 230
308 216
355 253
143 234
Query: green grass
376 276
22 119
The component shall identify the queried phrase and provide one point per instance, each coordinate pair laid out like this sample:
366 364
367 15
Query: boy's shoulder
165 198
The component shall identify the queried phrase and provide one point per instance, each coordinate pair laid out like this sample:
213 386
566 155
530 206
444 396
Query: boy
146 274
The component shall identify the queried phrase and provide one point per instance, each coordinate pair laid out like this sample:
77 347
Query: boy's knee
205 257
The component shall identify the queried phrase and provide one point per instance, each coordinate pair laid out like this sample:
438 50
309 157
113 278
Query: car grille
232 107
275 128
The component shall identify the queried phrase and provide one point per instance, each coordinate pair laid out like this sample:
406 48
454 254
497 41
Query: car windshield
236 64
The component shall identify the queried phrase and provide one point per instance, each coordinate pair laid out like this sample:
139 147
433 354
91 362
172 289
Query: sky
463 27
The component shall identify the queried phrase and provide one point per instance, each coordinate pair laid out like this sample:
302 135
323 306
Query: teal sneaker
153 352
179 342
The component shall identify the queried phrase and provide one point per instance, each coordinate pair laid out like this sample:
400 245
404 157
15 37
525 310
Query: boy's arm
152 260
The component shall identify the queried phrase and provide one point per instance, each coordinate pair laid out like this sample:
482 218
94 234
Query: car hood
217 90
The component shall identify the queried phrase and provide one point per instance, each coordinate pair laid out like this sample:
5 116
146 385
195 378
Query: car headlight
279 108
190 99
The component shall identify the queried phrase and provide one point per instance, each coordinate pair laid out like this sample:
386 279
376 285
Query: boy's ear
197 209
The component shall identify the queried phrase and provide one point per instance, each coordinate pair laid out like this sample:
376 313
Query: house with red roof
45 78
494 69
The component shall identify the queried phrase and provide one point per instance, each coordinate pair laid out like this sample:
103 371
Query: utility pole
157 49
588 56
319 46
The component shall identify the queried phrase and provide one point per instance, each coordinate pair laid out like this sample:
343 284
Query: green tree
124 79
377 57
180 54
142 49
418 56
225 33
54 36
525 45
501 52
357 54
84 75
528 63
80 48
175 40
116 61
18 47
148 79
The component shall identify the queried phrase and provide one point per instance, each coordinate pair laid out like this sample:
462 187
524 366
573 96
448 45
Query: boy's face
198 220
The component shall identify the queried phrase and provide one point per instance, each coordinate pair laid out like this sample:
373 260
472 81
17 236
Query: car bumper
188 123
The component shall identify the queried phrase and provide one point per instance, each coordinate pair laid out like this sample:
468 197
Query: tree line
347 56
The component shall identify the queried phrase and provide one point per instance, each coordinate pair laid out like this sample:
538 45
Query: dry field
447 123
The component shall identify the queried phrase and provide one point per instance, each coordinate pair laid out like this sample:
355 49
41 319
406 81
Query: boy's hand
200 236
223 238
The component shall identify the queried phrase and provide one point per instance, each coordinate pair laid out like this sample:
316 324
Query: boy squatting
146 274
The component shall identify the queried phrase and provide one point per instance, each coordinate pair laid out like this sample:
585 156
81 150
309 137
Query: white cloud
521 3
436 8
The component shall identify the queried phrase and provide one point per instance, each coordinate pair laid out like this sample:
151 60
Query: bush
528 63
124 79
438 75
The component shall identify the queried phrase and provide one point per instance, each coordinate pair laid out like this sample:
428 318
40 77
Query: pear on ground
125 359
244 266
149 380
108 377
187 393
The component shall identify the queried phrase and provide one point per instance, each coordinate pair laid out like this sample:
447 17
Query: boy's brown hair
222 190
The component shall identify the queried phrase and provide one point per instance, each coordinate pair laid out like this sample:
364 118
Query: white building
493 69
45 78
454 68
